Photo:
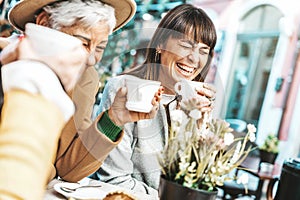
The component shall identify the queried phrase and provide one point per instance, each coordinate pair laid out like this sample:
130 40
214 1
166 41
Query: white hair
85 12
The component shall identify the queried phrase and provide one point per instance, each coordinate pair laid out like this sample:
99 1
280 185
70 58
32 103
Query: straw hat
24 11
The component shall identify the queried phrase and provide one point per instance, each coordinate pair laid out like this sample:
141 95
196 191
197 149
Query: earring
157 55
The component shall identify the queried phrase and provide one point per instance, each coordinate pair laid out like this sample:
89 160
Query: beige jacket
82 147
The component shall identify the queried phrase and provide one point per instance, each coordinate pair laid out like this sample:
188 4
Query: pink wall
290 97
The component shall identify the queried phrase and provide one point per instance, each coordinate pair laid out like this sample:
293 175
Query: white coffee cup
48 42
187 89
63 53
140 93
266 167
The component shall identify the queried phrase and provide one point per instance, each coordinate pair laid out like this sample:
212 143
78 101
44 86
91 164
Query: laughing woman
181 48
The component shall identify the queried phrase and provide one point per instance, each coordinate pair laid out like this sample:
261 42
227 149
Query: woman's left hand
206 97
204 102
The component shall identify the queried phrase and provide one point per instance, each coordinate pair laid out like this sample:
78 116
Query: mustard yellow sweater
29 131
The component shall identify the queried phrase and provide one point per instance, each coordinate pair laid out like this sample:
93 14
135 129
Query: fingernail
156 99
21 37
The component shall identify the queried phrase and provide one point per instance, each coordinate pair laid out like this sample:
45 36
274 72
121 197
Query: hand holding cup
122 112
63 53
140 93
201 94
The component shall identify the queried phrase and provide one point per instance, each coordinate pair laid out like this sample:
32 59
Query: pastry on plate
119 195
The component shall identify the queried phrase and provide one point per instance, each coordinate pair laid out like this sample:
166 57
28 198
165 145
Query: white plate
81 193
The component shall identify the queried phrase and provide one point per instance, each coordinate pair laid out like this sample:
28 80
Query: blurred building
258 66
256 63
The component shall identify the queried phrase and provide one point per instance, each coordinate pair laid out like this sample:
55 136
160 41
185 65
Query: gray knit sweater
133 163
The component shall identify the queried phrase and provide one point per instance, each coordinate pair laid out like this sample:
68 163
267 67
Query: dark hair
184 20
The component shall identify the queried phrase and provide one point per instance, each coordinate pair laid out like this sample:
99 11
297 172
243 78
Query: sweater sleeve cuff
108 128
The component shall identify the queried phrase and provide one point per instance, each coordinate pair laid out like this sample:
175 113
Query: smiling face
181 58
94 39
182 46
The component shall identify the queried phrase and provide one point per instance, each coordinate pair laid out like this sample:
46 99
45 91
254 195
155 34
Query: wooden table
252 165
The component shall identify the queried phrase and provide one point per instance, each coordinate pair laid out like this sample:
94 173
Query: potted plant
197 159
269 149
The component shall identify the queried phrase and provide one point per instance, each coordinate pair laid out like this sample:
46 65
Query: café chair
232 190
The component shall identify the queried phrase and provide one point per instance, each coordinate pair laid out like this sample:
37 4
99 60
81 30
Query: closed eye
204 51
185 44
85 41
100 48
86 45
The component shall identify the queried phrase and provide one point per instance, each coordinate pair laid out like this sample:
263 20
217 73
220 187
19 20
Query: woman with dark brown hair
181 48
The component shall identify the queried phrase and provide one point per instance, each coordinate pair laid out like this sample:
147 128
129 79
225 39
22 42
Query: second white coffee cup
187 89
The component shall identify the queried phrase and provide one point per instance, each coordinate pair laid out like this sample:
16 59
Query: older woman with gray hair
83 143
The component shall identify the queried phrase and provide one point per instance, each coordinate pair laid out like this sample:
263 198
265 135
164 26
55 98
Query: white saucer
138 107
81 193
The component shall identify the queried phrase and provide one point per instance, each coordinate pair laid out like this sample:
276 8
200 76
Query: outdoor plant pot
169 190
268 157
